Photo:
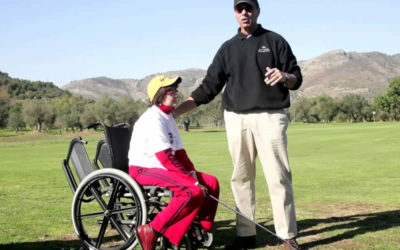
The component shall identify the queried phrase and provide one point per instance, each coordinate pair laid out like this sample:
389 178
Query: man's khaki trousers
262 134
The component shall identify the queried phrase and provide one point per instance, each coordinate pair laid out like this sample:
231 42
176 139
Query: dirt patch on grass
342 225
343 209
68 237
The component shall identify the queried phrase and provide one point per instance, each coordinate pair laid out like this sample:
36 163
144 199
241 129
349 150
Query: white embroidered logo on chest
264 49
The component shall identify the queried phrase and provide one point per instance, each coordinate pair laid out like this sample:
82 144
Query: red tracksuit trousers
188 201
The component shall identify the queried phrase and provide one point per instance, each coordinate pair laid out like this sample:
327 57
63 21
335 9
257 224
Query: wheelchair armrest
65 163
70 177
71 145
103 155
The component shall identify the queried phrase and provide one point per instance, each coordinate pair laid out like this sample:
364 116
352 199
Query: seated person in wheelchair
157 157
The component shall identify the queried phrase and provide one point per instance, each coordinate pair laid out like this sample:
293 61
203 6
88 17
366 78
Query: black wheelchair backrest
113 152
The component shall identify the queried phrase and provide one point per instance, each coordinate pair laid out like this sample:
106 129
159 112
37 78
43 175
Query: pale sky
64 40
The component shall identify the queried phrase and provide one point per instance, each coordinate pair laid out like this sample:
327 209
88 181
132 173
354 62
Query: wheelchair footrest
199 237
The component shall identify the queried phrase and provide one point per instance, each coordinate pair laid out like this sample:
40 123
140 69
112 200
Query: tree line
321 109
68 112
25 89
350 108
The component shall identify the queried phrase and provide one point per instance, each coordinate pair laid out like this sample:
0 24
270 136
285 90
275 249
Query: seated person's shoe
146 236
293 243
242 242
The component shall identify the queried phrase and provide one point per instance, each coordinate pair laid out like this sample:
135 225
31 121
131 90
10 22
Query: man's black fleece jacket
240 65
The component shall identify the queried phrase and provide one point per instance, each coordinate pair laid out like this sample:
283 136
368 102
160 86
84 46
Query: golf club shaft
259 225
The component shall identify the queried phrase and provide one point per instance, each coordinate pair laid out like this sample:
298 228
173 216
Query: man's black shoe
242 243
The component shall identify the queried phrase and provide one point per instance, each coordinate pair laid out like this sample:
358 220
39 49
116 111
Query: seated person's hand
204 188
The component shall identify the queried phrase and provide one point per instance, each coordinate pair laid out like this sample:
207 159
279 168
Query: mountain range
336 73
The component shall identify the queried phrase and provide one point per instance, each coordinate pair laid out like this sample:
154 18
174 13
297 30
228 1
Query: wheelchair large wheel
107 206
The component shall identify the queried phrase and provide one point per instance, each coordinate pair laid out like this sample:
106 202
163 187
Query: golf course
346 179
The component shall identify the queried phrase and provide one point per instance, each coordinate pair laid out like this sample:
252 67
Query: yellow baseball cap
158 82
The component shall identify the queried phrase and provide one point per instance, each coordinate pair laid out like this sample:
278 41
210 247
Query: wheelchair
108 204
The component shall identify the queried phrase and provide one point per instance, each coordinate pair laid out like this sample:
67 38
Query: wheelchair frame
108 203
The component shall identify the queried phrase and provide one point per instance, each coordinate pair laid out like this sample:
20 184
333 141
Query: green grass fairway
346 181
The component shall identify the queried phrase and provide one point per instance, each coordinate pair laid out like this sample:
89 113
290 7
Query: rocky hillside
136 88
338 73
335 73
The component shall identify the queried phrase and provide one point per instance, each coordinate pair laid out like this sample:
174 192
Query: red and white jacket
162 147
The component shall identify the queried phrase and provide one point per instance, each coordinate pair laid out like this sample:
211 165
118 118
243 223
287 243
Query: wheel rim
105 212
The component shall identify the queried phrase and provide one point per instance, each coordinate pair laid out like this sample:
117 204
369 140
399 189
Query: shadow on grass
225 232
348 227
45 245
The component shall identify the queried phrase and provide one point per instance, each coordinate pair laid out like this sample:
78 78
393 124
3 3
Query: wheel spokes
102 232
107 209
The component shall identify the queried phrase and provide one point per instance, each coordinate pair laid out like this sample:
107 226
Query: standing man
257 69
